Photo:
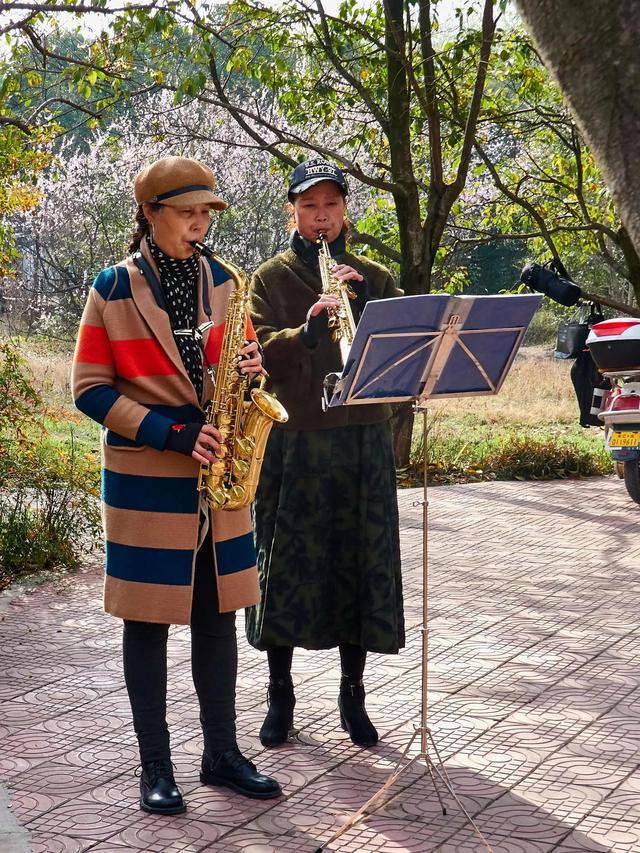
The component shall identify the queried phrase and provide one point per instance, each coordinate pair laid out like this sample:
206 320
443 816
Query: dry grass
530 426
51 377
536 392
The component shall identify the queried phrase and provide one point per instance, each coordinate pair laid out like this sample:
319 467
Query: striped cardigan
128 375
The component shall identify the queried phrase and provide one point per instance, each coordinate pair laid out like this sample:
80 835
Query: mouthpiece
204 250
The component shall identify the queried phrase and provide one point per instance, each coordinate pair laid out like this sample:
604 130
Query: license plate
624 439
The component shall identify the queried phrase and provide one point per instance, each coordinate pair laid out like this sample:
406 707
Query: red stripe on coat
213 346
141 357
93 345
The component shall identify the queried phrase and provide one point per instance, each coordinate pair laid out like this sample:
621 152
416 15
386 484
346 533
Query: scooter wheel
632 479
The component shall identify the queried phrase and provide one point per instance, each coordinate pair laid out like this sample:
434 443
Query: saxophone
231 481
341 322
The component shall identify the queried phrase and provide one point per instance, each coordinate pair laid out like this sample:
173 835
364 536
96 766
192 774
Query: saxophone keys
216 498
240 468
244 447
216 469
236 494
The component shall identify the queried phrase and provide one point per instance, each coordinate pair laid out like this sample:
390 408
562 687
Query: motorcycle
614 346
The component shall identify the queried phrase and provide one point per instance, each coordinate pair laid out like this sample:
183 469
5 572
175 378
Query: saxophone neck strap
147 271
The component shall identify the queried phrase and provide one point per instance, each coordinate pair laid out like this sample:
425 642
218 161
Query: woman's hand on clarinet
208 444
251 359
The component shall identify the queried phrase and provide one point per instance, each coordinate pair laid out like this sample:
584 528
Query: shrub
508 455
49 512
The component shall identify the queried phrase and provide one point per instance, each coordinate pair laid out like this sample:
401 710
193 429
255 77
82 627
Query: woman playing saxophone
326 514
151 325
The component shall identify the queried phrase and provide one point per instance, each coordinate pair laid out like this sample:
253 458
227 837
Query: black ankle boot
279 720
159 793
353 716
232 769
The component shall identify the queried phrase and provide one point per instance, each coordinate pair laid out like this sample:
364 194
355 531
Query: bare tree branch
76 8
327 46
488 32
12 121
362 238
43 106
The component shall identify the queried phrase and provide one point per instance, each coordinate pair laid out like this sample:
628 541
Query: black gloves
361 290
313 329
182 438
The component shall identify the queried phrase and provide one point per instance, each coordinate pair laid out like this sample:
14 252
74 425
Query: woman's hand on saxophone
343 272
251 359
208 444
326 301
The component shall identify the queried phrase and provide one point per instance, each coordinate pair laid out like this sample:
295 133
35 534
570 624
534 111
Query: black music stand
419 348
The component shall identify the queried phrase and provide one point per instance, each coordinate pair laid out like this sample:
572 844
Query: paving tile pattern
534 700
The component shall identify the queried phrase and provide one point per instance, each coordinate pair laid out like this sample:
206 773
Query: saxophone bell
230 482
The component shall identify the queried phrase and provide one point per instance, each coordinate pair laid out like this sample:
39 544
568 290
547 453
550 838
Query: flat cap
177 181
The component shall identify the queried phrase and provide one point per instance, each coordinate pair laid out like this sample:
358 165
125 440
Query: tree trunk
406 197
591 48
402 428
632 260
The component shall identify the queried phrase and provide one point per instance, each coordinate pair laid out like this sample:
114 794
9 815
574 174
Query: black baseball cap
311 172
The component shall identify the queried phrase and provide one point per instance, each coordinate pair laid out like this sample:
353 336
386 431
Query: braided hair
143 227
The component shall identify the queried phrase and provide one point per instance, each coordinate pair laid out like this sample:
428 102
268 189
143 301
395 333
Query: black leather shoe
279 720
159 793
232 769
353 716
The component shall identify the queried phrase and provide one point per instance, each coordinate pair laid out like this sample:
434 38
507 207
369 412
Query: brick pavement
534 701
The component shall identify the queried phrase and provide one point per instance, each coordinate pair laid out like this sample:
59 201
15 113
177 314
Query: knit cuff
182 438
313 329
362 292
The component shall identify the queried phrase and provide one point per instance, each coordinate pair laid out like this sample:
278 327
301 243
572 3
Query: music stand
420 348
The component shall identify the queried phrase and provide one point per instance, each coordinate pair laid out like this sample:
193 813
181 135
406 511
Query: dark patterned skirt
326 523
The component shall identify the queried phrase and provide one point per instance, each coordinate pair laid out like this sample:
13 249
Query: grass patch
528 431
467 450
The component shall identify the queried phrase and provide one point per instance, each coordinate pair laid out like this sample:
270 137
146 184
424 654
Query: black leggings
214 664
352 659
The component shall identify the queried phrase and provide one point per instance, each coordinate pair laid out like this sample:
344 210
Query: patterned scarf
179 281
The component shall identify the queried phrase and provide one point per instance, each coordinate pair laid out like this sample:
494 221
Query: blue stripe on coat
153 430
150 494
106 279
175 414
180 414
114 439
149 565
219 274
235 555
96 402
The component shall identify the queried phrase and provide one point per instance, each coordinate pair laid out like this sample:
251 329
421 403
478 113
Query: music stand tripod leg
436 771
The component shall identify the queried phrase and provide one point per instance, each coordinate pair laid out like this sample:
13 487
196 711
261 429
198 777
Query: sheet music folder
432 345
